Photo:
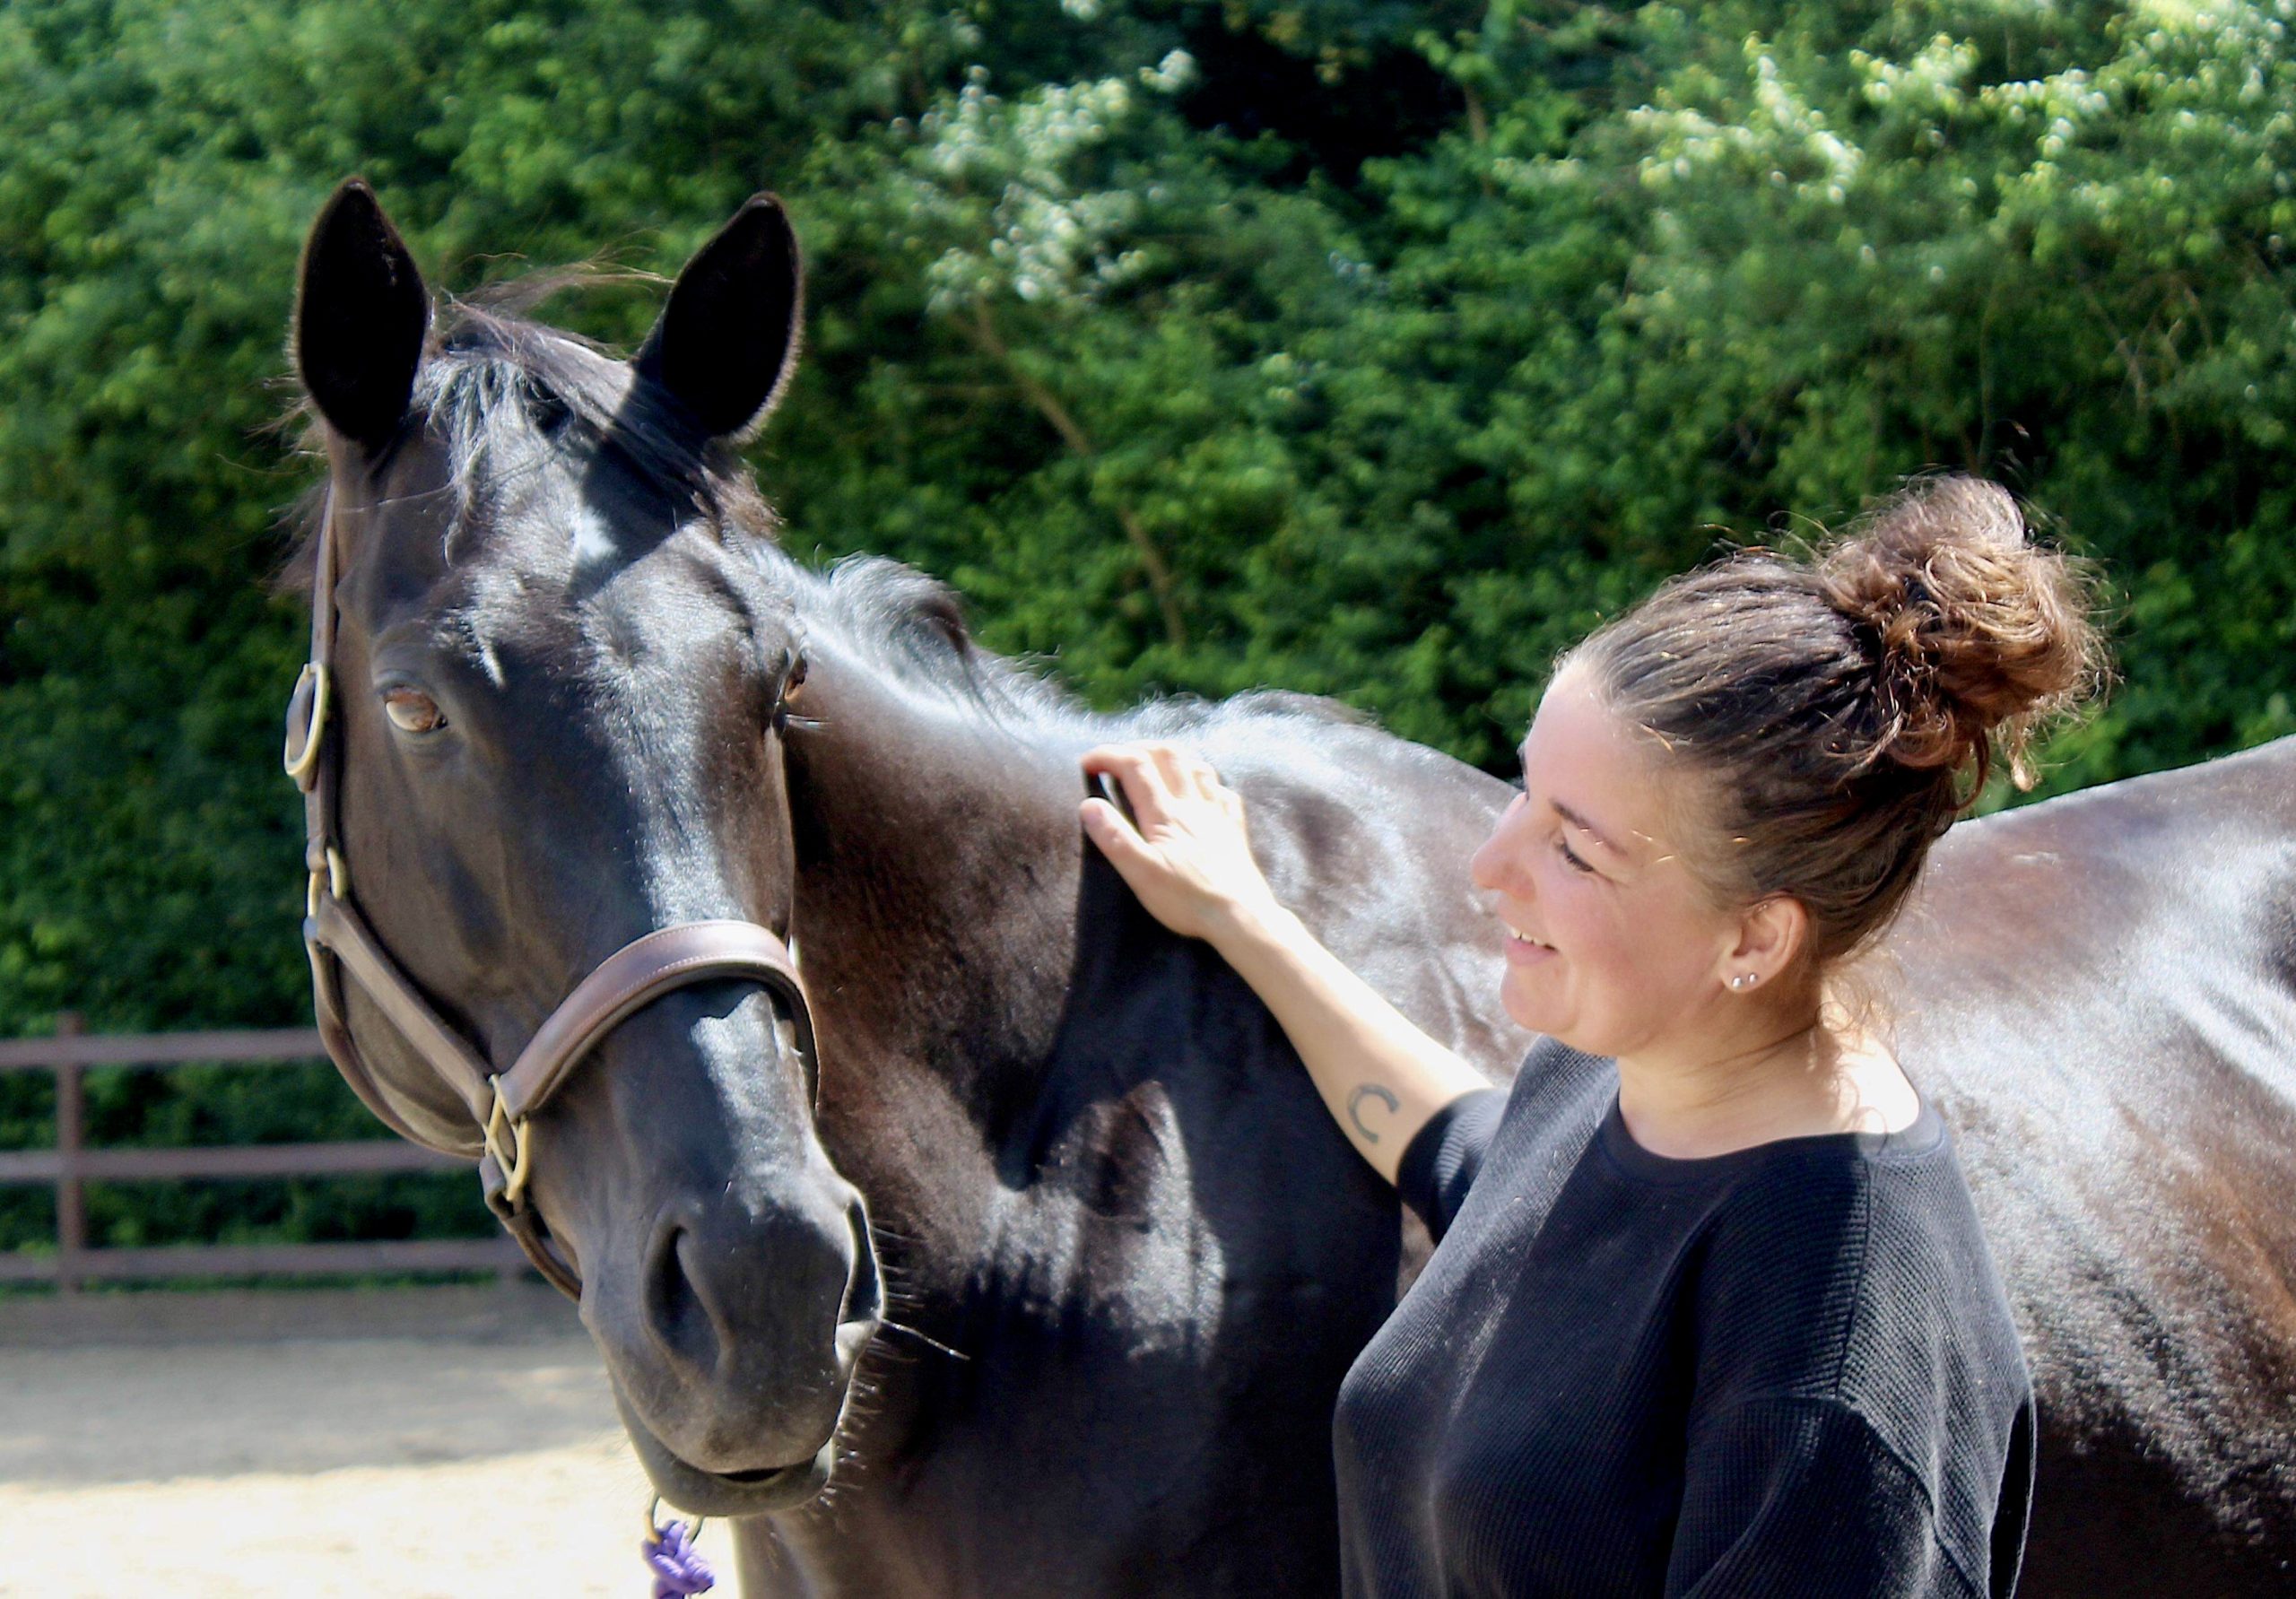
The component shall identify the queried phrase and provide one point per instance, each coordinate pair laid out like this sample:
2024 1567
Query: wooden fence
71 1164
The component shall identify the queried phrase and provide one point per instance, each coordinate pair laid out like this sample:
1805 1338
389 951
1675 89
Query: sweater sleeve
1439 1166
1788 1494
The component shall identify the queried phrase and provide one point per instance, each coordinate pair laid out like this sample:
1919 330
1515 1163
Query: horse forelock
490 378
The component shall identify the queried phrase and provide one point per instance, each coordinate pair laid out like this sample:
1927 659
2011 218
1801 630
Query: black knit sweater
1789 1370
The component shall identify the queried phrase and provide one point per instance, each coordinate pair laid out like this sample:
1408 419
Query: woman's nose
1496 863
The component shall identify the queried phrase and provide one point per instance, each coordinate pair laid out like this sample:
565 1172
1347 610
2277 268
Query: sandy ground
399 1446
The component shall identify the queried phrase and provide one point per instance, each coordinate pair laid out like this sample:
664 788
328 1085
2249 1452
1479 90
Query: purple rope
677 1570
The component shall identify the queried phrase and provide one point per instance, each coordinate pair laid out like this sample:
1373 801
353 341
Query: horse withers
581 695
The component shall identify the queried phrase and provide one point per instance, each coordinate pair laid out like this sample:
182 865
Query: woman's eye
1570 855
413 711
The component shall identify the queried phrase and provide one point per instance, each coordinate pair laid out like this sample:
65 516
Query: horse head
558 663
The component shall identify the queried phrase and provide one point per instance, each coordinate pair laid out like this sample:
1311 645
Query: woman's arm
1189 860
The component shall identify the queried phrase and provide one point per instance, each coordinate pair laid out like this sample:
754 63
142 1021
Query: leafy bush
1369 348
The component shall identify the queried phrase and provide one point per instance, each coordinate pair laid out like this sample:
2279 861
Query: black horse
582 694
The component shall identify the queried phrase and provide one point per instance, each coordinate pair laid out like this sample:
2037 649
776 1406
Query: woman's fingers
1192 773
1175 771
1114 836
1184 850
1154 775
1162 783
1172 765
1135 770
1163 888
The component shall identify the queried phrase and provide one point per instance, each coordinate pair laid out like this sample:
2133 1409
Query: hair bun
1979 635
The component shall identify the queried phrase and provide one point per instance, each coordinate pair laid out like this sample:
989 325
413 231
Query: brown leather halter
500 1103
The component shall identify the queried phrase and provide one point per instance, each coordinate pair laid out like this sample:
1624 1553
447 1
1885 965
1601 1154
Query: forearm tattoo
1369 1090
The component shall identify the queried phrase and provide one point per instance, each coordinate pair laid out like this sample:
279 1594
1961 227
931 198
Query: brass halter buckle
309 700
511 1142
335 880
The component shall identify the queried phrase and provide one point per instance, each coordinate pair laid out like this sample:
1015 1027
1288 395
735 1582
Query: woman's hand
1189 859
1190 862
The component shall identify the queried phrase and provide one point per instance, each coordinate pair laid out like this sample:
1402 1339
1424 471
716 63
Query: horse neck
938 855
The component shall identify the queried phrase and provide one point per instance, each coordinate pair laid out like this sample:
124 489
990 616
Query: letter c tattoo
1369 1090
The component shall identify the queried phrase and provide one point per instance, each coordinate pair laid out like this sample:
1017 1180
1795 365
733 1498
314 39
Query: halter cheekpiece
501 1104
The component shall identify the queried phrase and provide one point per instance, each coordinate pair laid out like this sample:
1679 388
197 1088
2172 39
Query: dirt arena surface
394 1445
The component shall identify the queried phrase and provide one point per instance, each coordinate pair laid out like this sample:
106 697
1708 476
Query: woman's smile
1527 952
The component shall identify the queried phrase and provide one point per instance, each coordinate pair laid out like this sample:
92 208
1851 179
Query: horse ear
727 339
360 313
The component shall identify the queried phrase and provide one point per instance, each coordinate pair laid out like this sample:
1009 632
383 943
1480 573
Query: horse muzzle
733 1345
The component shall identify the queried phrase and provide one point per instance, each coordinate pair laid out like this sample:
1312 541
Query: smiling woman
1728 1323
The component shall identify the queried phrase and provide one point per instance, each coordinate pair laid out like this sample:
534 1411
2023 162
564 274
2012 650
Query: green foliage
1371 349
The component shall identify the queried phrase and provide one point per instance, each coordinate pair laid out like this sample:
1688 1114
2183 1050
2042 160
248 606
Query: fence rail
71 1164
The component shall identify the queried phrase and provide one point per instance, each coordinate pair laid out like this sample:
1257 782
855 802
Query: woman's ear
1772 933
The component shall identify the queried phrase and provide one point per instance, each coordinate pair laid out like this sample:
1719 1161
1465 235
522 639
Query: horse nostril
864 1291
676 1314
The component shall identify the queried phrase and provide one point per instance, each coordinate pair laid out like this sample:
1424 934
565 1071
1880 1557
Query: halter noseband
500 1103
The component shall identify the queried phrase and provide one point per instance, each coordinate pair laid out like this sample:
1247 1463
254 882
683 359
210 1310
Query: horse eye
413 711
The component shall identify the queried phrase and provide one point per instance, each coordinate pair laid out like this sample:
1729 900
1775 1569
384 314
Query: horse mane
915 626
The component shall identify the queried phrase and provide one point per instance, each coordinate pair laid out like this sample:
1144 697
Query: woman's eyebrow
1585 827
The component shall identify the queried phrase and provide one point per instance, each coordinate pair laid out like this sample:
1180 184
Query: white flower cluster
1783 138
2207 73
1017 178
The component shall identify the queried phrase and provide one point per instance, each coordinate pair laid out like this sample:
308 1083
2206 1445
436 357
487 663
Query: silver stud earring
1741 982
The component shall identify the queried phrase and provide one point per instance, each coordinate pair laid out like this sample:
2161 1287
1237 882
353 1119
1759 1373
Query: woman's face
1611 947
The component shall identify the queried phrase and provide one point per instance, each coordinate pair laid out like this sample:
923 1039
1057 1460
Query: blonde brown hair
1839 712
